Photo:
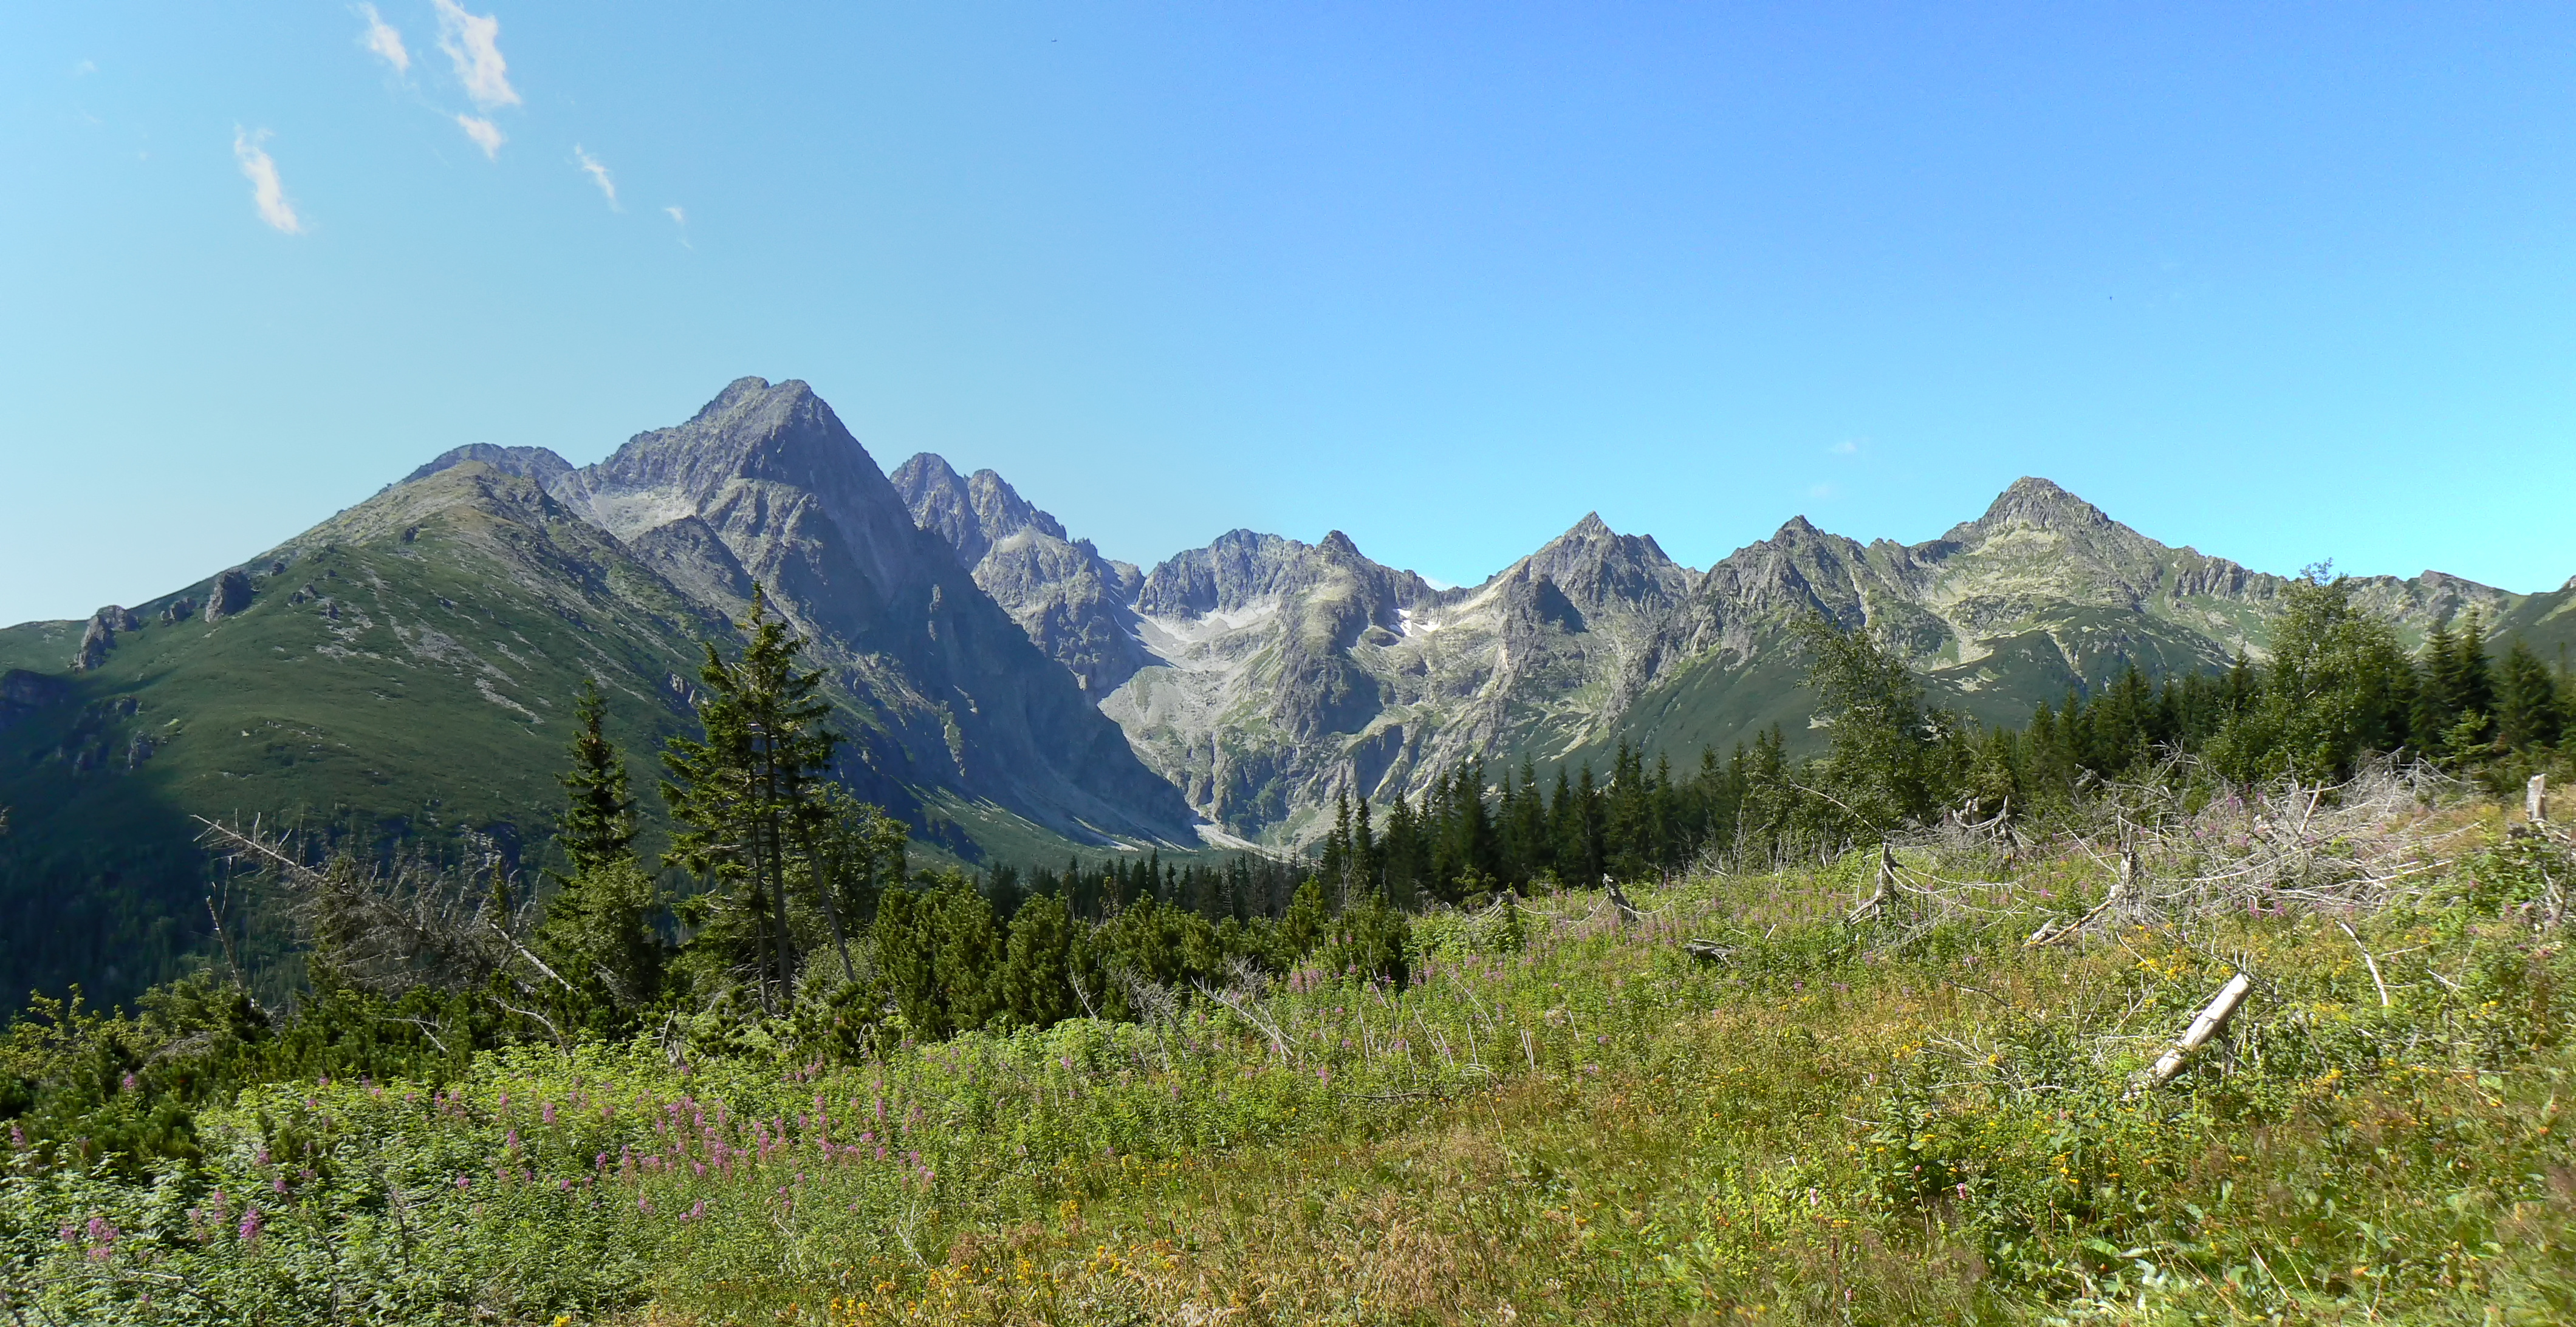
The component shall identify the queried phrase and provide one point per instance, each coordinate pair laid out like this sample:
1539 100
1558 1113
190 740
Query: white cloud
473 43
680 219
384 41
85 68
677 215
486 135
598 175
266 193
1846 447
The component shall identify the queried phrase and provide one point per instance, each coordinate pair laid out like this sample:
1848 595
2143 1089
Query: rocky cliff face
765 484
1074 604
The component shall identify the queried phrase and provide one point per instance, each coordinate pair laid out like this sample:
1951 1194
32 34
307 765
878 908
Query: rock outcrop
99 636
230 594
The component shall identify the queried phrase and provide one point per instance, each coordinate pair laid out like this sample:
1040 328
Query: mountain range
402 673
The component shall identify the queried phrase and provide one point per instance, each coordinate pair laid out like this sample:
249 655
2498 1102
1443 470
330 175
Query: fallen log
2212 1018
1708 951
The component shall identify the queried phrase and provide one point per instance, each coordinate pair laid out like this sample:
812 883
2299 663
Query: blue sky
2282 282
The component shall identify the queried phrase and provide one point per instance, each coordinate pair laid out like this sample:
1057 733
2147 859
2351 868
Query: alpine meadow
1255 764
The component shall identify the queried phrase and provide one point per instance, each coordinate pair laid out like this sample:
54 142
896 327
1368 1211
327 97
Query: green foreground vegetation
1880 1037
1560 1116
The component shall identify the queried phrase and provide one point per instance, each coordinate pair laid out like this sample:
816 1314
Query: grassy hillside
2545 622
402 674
1561 1117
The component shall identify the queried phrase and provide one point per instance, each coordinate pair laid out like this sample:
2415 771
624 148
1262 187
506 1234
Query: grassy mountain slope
402 672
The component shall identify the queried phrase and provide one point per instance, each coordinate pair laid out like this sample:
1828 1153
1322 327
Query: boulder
229 594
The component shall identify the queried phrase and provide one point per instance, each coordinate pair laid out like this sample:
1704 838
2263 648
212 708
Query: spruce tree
598 932
2527 701
747 801
597 827
1878 767
1336 863
1035 991
906 940
1364 853
970 956
1526 837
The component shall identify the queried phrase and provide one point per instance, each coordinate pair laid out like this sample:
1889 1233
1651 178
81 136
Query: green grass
1880 1125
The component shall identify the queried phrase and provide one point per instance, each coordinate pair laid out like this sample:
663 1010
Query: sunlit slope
404 669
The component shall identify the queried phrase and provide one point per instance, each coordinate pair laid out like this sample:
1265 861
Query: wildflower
251 1225
462 1184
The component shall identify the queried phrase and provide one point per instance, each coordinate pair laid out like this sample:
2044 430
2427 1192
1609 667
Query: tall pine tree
597 828
598 933
747 800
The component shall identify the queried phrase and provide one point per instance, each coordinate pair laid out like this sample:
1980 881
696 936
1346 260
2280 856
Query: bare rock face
229 594
972 514
766 484
1074 604
100 636
179 610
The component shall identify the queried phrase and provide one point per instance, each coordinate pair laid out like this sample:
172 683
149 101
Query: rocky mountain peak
1597 567
751 430
1235 568
536 463
2037 503
972 514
